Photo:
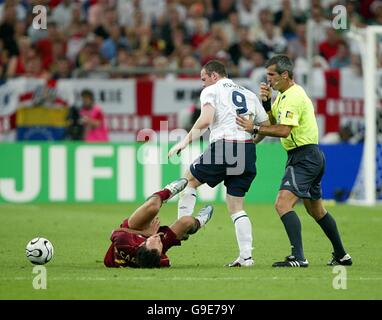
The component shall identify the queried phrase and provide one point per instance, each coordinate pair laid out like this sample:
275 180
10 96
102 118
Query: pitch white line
29 207
179 279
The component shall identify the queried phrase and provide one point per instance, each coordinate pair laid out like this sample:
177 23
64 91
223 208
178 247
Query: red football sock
163 194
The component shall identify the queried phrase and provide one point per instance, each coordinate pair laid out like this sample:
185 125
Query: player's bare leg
328 224
144 215
189 225
192 181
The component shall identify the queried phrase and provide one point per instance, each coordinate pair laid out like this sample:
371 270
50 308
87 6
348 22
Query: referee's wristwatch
256 129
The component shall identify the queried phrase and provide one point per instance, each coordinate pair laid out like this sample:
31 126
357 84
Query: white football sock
186 203
243 230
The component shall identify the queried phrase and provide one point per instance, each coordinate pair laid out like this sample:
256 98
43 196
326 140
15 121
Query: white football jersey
230 100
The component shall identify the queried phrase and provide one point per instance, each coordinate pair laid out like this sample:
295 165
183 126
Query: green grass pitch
80 235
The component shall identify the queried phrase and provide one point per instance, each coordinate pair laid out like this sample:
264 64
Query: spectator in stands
76 39
356 64
61 69
21 27
45 45
245 64
189 63
221 10
376 9
258 72
342 58
234 50
318 25
34 68
123 58
16 68
265 15
5 63
297 46
354 19
161 65
58 51
286 20
7 29
197 24
231 27
199 32
365 10
126 11
92 118
215 46
379 125
344 135
329 47
99 11
87 30
62 14
270 41
75 129
110 45
173 31
248 11
19 8
101 27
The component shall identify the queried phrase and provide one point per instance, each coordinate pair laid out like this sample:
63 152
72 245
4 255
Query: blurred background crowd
172 39
174 35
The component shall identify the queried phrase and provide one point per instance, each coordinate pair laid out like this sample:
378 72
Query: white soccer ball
39 250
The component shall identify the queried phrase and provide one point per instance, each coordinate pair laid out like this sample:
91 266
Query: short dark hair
147 258
87 93
215 66
283 63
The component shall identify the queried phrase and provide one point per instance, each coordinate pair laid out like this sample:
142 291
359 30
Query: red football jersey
122 251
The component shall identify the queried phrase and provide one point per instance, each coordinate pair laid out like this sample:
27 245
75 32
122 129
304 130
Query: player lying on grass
141 242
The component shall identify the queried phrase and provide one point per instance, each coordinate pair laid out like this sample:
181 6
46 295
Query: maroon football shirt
123 249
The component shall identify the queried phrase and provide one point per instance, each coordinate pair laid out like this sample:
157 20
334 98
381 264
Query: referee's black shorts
229 161
303 172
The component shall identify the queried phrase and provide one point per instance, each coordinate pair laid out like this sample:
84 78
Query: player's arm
277 130
289 118
201 125
259 137
272 119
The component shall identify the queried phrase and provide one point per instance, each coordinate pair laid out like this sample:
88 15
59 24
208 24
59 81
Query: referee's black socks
328 224
292 226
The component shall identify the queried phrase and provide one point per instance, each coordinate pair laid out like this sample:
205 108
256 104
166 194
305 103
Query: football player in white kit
231 155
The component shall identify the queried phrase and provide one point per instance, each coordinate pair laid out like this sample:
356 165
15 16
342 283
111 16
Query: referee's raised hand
265 91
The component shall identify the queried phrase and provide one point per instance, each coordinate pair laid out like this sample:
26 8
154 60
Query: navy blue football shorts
303 172
229 161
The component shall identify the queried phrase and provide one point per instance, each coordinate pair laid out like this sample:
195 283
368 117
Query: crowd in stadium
174 34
